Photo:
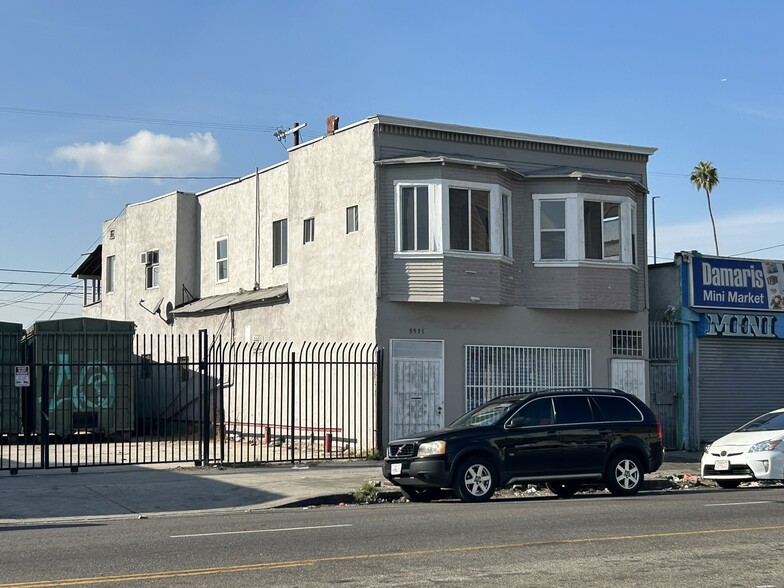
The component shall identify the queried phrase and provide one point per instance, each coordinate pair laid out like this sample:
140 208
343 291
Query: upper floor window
352 219
414 219
442 215
469 219
309 230
280 240
151 269
506 208
552 229
602 227
222 259
110 261
585 227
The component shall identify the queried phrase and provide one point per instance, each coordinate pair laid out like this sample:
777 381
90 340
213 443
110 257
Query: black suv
565 439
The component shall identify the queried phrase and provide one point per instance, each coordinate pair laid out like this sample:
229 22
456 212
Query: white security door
629 375
417 387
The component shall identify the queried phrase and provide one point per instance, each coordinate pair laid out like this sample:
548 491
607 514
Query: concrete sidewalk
143 491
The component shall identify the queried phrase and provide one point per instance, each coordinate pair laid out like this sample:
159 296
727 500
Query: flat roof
241 299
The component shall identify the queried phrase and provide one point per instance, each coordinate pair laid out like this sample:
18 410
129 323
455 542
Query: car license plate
721 465
396 469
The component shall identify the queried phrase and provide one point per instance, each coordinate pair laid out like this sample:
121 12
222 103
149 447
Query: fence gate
664 378
109 399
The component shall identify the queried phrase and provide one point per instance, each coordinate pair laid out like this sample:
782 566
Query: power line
757 250
136 119
48 304
110 177
29 271
223 178
41 291
722 178
71 285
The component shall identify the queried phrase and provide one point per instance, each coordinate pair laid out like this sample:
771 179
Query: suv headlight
432 448
707 448
768 445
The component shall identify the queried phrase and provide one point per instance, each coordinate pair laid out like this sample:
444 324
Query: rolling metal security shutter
738 379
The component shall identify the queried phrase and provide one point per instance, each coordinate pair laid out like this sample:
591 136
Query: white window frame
438 221
539 230
434 216
111 273
352 219
152 270
280 242
309 230
575 230
224 261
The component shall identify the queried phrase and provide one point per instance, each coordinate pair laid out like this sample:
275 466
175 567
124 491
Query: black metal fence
113 398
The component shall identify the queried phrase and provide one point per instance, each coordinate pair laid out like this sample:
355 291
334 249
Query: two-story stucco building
483 261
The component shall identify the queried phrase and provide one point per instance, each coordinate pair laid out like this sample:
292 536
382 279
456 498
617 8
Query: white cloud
756 234
145 153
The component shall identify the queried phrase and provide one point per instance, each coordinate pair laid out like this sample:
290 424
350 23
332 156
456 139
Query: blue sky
197 89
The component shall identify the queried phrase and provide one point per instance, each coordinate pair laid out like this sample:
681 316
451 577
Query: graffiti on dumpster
94 387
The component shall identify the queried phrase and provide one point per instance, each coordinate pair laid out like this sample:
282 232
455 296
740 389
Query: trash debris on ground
685 481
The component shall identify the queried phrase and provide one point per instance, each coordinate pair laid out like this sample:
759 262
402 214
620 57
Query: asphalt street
700 536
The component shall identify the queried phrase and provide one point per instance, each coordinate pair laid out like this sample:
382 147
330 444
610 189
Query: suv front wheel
624 474
475 480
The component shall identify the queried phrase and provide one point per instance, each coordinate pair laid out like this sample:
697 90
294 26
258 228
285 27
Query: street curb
389 495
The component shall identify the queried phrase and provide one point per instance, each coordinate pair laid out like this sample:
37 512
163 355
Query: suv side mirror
517 422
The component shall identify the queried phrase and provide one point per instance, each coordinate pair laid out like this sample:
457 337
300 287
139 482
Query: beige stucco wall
333 280
166 223
230 211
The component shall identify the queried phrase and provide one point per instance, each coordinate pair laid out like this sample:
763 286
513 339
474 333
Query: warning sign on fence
22 373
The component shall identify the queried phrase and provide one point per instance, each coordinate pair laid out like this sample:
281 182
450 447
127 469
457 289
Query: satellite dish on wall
169 318
157 308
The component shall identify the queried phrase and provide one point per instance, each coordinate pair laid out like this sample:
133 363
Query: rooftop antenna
282 133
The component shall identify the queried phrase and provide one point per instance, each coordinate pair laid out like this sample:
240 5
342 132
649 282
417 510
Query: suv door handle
552 433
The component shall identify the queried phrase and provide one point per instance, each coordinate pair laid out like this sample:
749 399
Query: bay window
584 227
439 216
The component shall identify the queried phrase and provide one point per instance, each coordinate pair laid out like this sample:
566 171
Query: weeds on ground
366 494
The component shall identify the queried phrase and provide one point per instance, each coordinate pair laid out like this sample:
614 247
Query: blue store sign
737 284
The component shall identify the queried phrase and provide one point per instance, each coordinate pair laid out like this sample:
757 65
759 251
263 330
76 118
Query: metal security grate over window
627 343
493 371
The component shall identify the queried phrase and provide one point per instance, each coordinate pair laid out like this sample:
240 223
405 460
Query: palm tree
705 177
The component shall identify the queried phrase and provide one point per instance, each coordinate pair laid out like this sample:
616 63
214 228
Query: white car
753 452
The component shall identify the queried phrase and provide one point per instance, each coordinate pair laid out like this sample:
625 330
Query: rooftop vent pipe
296 134
332 124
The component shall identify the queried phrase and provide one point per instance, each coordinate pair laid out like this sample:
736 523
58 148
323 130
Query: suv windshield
773 421
488 414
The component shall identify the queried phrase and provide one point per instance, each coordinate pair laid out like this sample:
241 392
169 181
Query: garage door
737 380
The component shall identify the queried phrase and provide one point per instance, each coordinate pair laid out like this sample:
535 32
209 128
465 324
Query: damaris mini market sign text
737 284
